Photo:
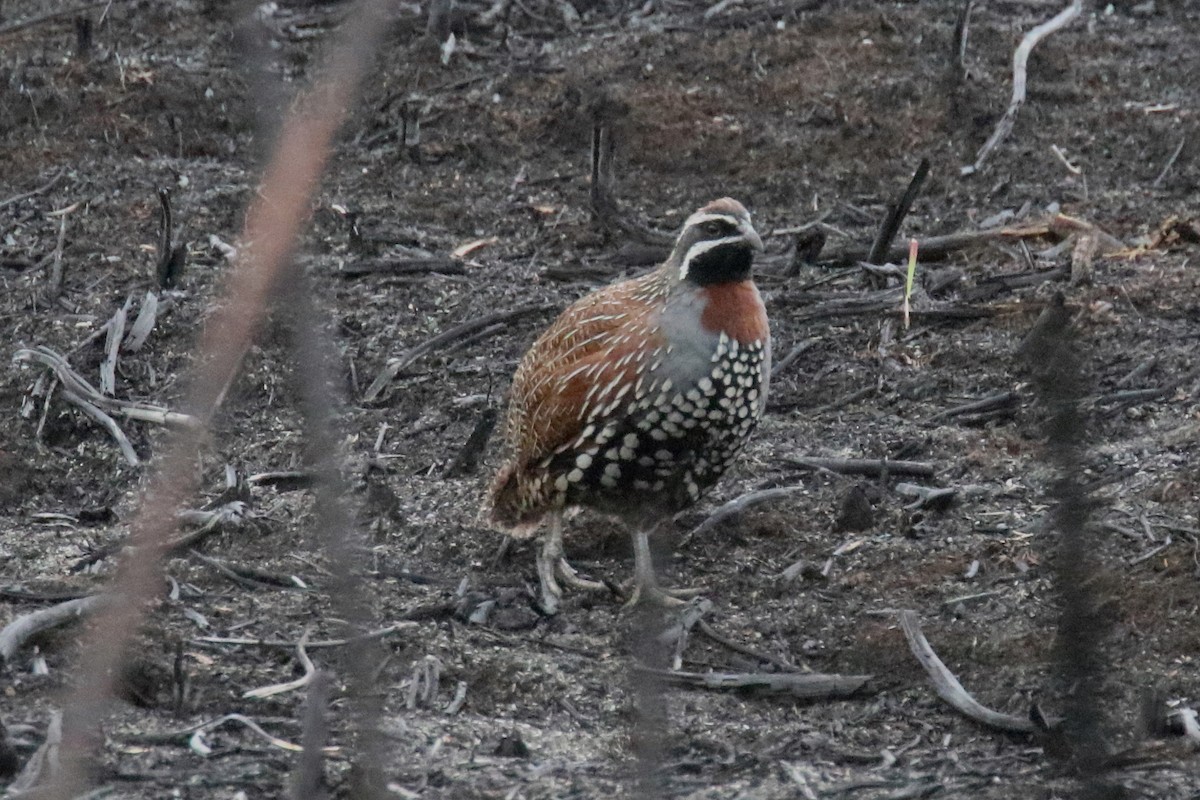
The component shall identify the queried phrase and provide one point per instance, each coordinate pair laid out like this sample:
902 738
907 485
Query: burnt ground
805 111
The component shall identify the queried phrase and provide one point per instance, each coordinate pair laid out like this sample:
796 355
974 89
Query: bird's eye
712 228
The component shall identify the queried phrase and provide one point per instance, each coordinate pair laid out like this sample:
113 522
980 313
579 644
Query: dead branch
45 187
605 207
999 400
322 643
17 633
870 467
54 284
710 632
800 349
140 331
1020 64
42 767
896 214
171 256
736 507
808 686
310 672
106 422
74 382
950 690
408 357
115 332
50 16
466 461
402 266
1166 170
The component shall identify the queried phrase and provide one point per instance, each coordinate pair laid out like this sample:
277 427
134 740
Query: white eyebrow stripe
700 217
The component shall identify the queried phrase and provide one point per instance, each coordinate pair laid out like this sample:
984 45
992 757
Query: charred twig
605 208
845 400
54 284
999 400
950 690
171 256
809 686
793 354
408 357
1166 170
738 647
735 507
896 214
1020 64
466 462
993 285
935 247
402 266
45 187
16 633
869 467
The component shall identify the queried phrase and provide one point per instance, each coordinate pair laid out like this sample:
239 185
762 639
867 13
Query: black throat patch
721 264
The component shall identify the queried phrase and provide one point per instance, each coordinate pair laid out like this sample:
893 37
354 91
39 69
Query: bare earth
804 111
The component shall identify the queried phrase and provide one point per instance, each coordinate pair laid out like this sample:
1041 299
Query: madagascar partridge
639 396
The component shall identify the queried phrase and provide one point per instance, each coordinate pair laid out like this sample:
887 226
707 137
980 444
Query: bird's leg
548 554
645 582
552 563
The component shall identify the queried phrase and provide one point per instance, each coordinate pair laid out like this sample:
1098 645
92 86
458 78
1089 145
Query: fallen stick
809 686
950 690
74 382
735 507
402 266
1005 399
45 187
42 768
310 673
322 643
408 357
106 422
871 467
17 633
1020 70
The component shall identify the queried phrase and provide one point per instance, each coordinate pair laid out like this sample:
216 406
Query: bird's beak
753 238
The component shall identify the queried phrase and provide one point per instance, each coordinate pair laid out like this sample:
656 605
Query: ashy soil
808 112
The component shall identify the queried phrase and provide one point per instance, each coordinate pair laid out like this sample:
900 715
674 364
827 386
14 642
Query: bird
636 399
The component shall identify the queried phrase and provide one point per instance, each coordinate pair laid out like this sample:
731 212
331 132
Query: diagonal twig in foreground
273 225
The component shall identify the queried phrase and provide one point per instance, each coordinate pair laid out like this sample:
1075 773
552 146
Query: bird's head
716 244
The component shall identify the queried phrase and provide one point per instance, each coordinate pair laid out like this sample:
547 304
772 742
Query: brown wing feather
578 364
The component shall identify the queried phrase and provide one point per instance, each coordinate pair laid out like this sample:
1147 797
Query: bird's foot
651 594
571 578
